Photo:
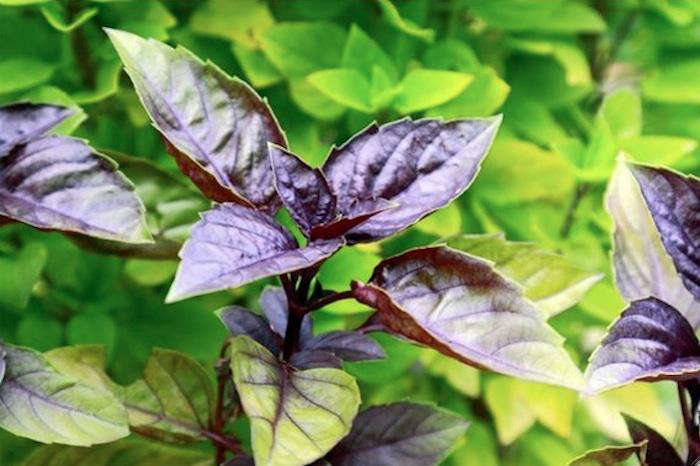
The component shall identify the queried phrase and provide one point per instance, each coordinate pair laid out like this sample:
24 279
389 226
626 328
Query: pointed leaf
409 434
240 321
422 89
60 183
552 282
42 404
347 345
642 266
304 191
420 165
674 202
296 416
459 305
217 125
233 245
20 123
273 301
610 456
174 401
356 214
650 341
393 17
659 452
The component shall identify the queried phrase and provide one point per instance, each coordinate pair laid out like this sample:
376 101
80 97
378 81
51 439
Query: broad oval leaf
610 456
42 404
218 125
409 434
60 183
421 165
674 203
551 281
642 266
174 401
20 123
304 191
240 321
659 451
459 305
347 345
273 302
650 341
296 416
233 245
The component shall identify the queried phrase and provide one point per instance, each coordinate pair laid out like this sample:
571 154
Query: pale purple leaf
273 301
310 359
347 345
240 321
233 245
420 165
650 341
21 123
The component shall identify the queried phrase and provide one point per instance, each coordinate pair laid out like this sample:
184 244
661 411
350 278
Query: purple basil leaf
304 190
60 183
347 345
217 125
310 359
233 245
674 203
358 212
20 123
273 301
240 460
406 434
650 341
420 165
659 451
610 456
459 305
240 321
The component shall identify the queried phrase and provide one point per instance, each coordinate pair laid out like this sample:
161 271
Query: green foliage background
577 82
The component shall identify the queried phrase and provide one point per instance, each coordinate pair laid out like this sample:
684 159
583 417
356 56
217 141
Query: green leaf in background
345 86
363 54
622 110
148 272
422 89
244 25
610 456
296 416
54 95
21 73
106 84
566 53
511 416
57 16
42 404
463 378
258 69
312 101
20 271
481 98
674 82
393 16
21 2
92 327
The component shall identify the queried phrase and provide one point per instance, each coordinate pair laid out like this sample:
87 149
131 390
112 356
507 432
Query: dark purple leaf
20 123
304 190
674 203
406 434
273 301
347 345
240 460
218 126
233 245
650 341
459 305
610 456
60 183
358 213
314 359
659 452
240 321
420 165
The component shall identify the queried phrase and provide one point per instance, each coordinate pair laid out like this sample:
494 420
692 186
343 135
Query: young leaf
42 404
20 123
552 282
273 302
425 164
610 456
60 183
422 89
304 191
346 86
393 17
347 345
174 401
674 203
650 341
363 54
642 266
296 416
659 452
460 306
240 321
217 125
405 433
233 245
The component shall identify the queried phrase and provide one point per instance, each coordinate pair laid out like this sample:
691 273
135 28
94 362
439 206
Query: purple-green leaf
459 305
407 434
273 301
21 123
420 165
347 345
674 202
610 456
218 126
60 183
233 245
315 359
240 321
650 341
659 451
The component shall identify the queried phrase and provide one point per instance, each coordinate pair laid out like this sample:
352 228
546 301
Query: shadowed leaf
658 452
273 302
313 359
347 345
458 305
610 456
296 416
21 123
240 321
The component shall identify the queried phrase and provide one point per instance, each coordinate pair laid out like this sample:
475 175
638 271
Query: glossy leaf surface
296 416
273 302
20 123
460 306
241 321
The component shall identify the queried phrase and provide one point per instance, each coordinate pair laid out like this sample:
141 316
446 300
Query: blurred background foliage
577 82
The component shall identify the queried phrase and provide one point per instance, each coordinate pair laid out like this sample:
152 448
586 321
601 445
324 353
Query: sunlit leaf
243 25
362 53
344 85
393 17
422 89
